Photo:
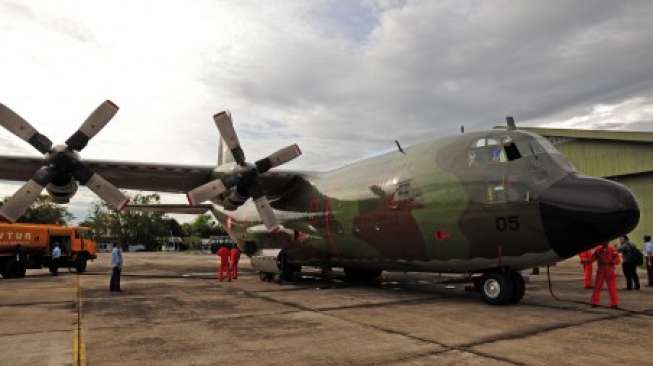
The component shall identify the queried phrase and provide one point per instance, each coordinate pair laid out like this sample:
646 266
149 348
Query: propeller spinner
246 178
61 162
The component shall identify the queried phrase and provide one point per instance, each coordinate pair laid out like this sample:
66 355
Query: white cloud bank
343 79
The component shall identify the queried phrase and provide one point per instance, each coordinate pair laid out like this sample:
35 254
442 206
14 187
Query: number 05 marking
510 223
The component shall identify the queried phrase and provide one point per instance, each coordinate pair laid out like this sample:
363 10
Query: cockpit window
493 150
548 147
536 146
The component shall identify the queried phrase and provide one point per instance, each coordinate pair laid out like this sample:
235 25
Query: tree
204 226
45 211
133 227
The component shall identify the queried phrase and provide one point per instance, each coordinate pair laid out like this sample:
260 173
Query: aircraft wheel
288 271
519 287
362 275
497 288
266 277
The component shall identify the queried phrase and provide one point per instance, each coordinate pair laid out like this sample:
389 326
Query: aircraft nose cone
579 212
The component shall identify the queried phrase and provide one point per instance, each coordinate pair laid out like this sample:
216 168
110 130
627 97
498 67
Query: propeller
61 162
245 178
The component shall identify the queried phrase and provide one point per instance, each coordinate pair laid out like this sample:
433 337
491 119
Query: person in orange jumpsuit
586 261
223 253
234 257
607 258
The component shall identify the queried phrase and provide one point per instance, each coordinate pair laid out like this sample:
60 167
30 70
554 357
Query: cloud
632 114
342 79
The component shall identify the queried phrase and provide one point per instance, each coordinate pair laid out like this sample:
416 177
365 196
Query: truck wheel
4 269
497 288
80 264
18 270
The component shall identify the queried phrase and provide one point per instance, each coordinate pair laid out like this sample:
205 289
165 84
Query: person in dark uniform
648 254
629 264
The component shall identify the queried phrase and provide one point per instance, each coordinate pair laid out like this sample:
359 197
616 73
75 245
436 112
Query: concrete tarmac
173 312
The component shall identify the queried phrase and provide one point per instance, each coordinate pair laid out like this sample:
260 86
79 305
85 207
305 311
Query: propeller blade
206 192
226 127
280 157
16 206
264 209
21 128
100 186
267 214
93 124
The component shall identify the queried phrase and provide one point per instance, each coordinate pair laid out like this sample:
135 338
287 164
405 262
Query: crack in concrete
381 329
35 332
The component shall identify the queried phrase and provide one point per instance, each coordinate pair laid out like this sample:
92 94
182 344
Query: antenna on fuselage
511 123
399 147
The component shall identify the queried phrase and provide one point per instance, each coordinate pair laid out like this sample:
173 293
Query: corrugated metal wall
642 186
604 158
630 163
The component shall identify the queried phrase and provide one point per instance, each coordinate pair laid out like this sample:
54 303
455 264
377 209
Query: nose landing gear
502 287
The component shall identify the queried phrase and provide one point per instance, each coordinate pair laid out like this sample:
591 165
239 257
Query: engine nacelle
62 193
230 200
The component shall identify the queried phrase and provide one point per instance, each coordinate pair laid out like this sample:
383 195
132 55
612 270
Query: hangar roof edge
615 135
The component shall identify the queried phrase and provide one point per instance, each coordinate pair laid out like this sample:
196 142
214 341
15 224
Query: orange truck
24 246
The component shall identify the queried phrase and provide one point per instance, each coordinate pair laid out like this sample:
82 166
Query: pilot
607 258
586 262
234 257
223 253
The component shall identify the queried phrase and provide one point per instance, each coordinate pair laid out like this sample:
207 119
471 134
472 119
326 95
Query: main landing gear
502 287
362 275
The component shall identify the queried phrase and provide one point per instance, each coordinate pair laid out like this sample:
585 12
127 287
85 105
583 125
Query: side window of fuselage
490 158
490 150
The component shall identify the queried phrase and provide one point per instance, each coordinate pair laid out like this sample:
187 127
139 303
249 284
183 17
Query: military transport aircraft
487 203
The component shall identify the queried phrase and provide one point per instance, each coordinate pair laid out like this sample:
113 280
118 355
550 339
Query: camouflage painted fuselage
465 203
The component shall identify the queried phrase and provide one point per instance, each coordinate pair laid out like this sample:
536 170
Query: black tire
362 275
287 271
19 270
519 287
266 277
14 269
80 264
5 268
497 288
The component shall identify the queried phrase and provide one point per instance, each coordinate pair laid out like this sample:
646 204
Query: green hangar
622 156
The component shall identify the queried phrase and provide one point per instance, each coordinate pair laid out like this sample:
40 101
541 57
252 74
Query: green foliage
204 226
45 211
132 227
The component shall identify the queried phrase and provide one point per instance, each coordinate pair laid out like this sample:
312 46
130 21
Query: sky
343 79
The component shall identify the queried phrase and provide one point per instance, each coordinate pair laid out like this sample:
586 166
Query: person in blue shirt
116 268
54 260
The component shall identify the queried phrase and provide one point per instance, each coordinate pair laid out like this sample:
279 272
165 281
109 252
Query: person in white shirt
648 255
54 261
116 268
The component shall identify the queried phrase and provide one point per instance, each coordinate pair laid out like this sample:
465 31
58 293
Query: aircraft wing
127 175
171 208
158 177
